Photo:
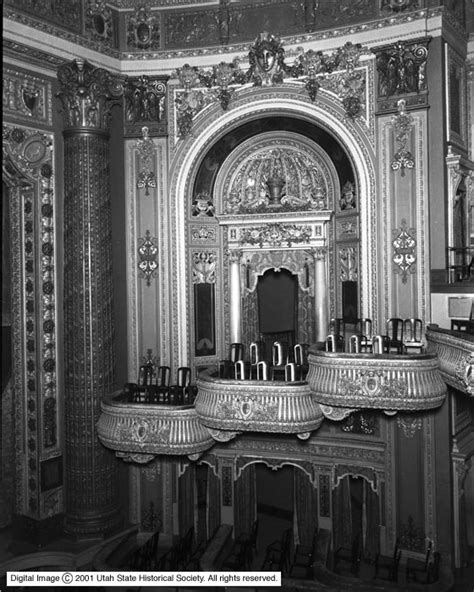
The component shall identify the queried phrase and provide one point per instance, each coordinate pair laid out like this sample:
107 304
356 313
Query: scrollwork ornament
146 149
402 124
404 250
409 425
148 253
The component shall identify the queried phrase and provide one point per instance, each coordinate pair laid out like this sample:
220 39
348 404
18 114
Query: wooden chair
394 330
303 559
337 327
179 393
380 344
262 370
363 327
162 389
355 344
386 566
300 354
239 370
417 569
256 355
249 541
413 335
279 359
226 367
334 343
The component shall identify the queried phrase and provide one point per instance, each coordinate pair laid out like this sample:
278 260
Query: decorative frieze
145 102
256 406
345 381
276 235
151 429
267 67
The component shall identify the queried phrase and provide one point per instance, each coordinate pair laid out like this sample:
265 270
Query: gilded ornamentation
148 253
203 206
395 383
402 68
257 406
145 100
266 68
404 250
347 200
87 94
412 536
275 235
64 15
146 150
203 234
402 124
204 267
392 6
266 60
151 429
99 21
348 264
277 171
34 310
409 425
143 29
25 95
360 423
367 473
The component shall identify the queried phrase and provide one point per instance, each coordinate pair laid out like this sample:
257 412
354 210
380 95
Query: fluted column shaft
235 297
321 293
92 506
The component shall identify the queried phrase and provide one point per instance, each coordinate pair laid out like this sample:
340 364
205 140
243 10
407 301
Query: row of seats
154 386
286 363
401 336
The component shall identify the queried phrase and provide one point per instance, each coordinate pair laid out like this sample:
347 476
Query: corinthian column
235 297
321 293
92 507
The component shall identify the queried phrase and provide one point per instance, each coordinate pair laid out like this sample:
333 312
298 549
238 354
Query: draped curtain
250 326
371 522
186 499
213 502
306 507
245 501
342 514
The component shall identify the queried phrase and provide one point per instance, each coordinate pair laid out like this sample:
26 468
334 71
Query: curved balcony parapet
227 407
139 431
346 382
455 352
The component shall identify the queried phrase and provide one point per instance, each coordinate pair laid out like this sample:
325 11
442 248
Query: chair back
364 327
163 376
413 330
380 344
146 374
279 353
300 354
262 370
256 352
183 376
428 554
334 343
236 352
337 327
394 329
355 344
290 372
239 370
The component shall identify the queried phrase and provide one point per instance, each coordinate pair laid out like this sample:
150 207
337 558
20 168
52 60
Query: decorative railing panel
389 382
456 357
231 406
144 429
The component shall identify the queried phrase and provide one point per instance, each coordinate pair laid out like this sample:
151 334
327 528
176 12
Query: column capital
319 253
234 255
87 95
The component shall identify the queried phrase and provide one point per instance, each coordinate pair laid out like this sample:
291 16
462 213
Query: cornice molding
23 35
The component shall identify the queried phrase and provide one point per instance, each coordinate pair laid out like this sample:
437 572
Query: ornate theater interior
238 289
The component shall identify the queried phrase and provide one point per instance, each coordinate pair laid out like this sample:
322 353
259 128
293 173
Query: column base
93 525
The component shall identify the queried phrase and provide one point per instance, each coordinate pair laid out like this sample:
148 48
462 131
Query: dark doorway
277 306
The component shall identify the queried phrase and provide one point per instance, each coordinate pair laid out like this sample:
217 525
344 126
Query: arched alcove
194 232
